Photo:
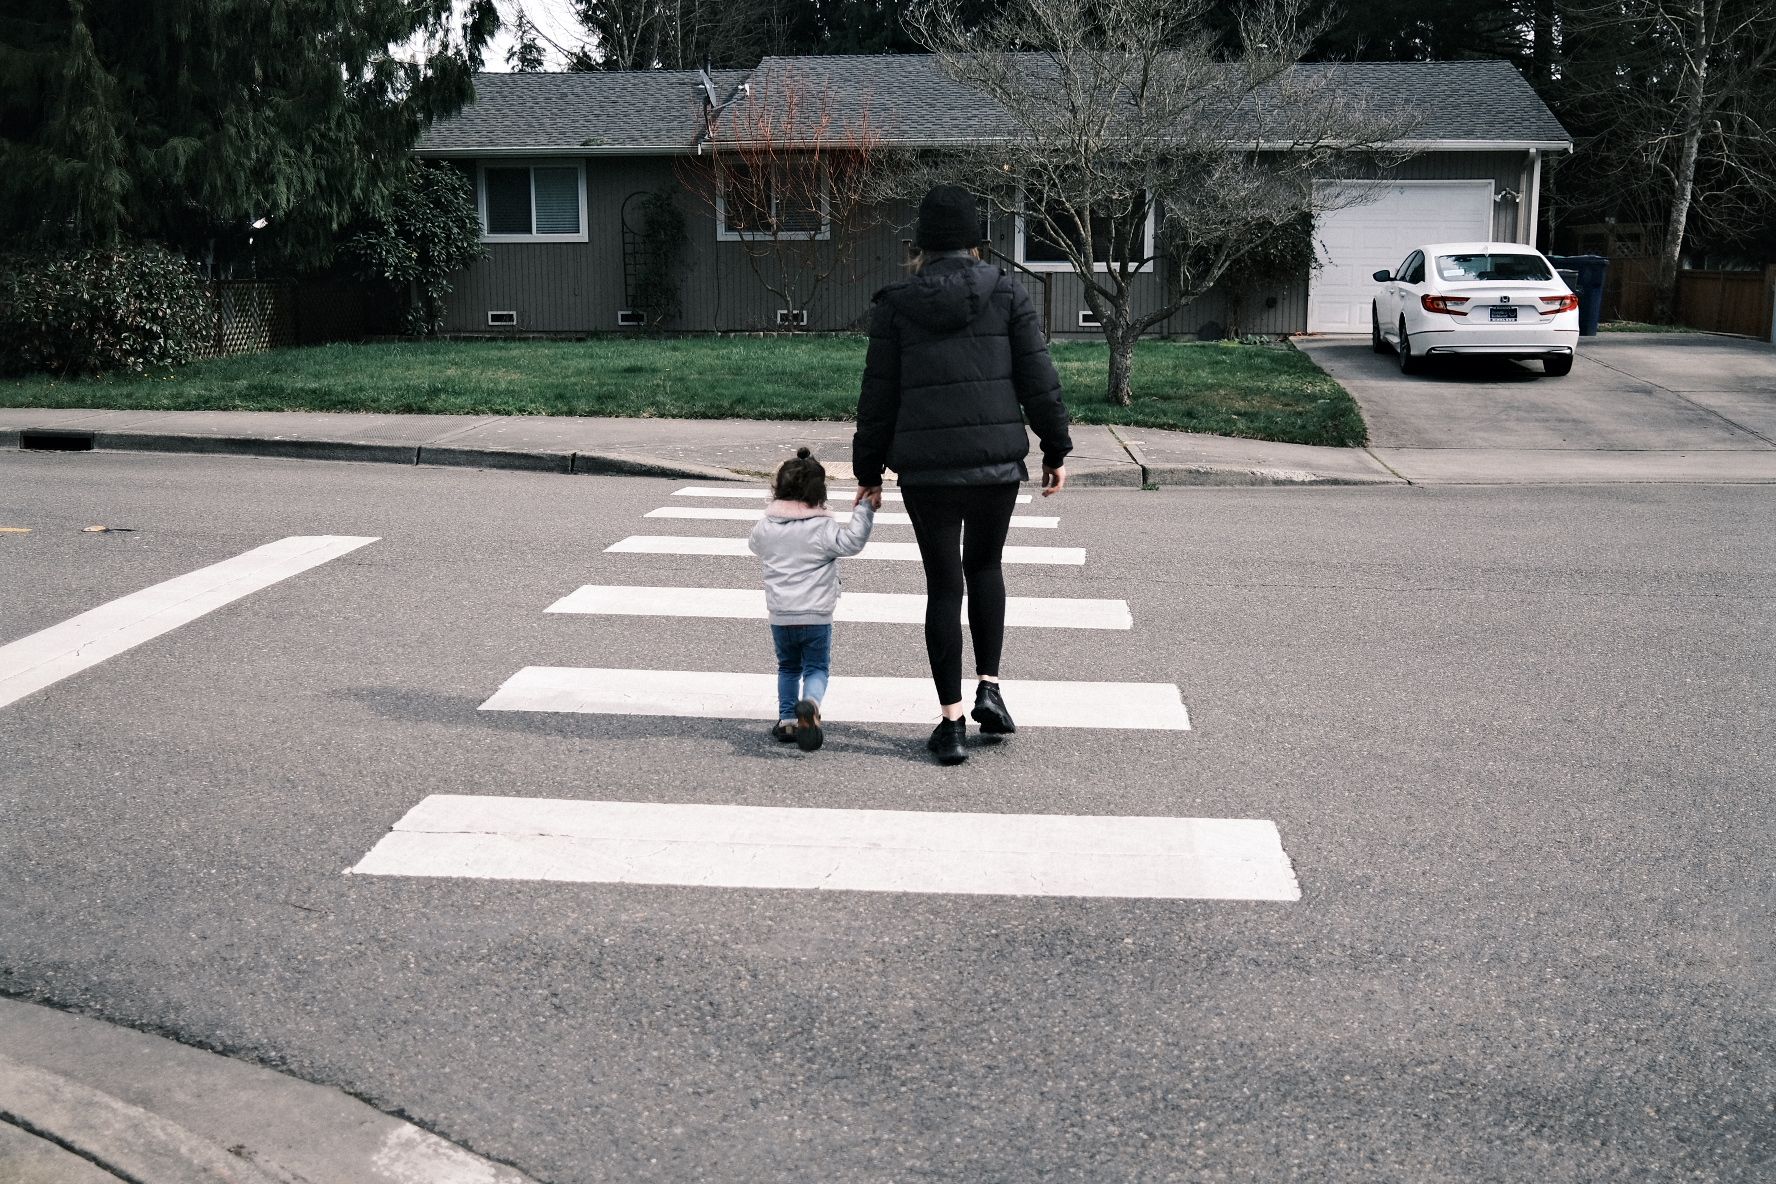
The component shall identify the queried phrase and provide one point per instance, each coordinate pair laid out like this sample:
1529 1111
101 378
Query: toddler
800 542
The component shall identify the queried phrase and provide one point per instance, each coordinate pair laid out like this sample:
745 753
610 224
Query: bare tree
791 173
1683 93
1134 139
671 34
621 34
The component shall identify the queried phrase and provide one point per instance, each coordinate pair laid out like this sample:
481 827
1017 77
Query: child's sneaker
808 736
784 732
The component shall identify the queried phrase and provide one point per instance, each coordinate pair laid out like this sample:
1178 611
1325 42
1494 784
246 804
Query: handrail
1042 277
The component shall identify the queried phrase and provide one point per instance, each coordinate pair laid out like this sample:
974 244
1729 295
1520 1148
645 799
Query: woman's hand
872 492
1053 480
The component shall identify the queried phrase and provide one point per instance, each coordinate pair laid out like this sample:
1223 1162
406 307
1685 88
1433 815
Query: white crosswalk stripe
705 694
501 838
748 604
753 491
52 654
671 544
883 517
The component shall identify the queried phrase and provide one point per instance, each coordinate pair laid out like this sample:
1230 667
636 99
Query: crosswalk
46 657
707 694
724 846
736 846
866 850
679 544
739 694
753 493
892 608
883 517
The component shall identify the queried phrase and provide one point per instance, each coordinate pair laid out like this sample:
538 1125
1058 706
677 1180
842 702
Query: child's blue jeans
804 656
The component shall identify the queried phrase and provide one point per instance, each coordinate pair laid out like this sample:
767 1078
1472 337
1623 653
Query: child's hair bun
803 454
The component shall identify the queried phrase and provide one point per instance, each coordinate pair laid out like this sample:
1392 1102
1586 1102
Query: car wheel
1409 361
1377 342
1557 365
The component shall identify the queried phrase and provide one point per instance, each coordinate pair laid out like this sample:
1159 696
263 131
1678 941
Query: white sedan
1502 299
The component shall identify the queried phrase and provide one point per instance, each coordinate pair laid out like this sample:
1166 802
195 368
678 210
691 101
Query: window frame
576 163
723 234
1019 239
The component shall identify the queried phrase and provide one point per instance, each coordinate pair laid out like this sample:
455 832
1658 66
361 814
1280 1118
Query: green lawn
1263 392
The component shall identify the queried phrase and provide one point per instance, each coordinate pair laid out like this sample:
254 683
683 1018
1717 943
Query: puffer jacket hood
943 300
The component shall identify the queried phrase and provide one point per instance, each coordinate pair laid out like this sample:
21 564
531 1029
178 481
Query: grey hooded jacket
801 546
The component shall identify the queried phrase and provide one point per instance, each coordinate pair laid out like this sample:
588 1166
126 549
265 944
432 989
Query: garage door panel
1357 240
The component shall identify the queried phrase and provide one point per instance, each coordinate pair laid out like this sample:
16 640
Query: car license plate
1504 314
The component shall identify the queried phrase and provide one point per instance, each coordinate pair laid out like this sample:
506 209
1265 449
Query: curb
125 1140
1234 475
1231 475
288 448
149 1110
1142 472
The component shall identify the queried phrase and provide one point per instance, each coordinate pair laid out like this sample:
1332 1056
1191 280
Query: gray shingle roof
902 96
1457 100
617 109
907 98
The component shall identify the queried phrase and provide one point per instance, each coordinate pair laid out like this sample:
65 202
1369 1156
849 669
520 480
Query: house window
770 205
1040 251
533 203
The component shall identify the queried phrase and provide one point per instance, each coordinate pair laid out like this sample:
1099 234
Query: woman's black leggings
961 532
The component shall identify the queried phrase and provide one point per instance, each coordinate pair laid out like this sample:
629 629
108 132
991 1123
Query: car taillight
1554 304
1444 304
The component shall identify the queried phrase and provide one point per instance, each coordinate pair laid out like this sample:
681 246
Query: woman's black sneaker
946 741
783 733
808 736
989 711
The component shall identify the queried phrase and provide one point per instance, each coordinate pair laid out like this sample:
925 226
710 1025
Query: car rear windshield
1493 267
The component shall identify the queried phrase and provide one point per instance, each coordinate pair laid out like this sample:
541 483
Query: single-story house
559 161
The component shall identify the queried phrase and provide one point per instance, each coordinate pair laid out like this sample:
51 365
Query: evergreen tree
188 121
526 54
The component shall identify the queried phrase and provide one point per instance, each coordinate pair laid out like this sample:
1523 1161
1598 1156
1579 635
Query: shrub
417 237
100 309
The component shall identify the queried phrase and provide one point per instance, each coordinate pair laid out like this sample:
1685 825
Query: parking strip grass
1261 392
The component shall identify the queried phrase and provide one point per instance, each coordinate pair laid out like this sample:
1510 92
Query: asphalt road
1518 742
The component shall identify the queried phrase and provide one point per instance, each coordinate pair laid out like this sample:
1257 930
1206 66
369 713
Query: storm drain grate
53 440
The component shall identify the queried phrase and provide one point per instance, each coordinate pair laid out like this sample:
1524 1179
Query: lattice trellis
253 315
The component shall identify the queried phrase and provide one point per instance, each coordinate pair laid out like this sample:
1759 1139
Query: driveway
1636 407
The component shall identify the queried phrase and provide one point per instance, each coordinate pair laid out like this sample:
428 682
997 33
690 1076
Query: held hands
1053 480
872 492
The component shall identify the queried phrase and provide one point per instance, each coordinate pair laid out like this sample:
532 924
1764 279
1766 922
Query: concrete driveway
1636 407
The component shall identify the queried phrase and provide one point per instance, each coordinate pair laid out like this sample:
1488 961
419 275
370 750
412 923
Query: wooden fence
1718 301
255 315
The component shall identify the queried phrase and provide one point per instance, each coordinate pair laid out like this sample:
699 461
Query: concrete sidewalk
708 450
86 1102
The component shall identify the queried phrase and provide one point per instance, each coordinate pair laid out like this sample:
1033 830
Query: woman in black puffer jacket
956 365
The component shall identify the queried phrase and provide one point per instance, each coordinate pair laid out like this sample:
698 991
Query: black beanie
949 220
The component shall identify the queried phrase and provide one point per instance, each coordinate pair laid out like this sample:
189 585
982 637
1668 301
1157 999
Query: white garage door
1362 239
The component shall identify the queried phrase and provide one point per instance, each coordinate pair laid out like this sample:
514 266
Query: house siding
579 287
